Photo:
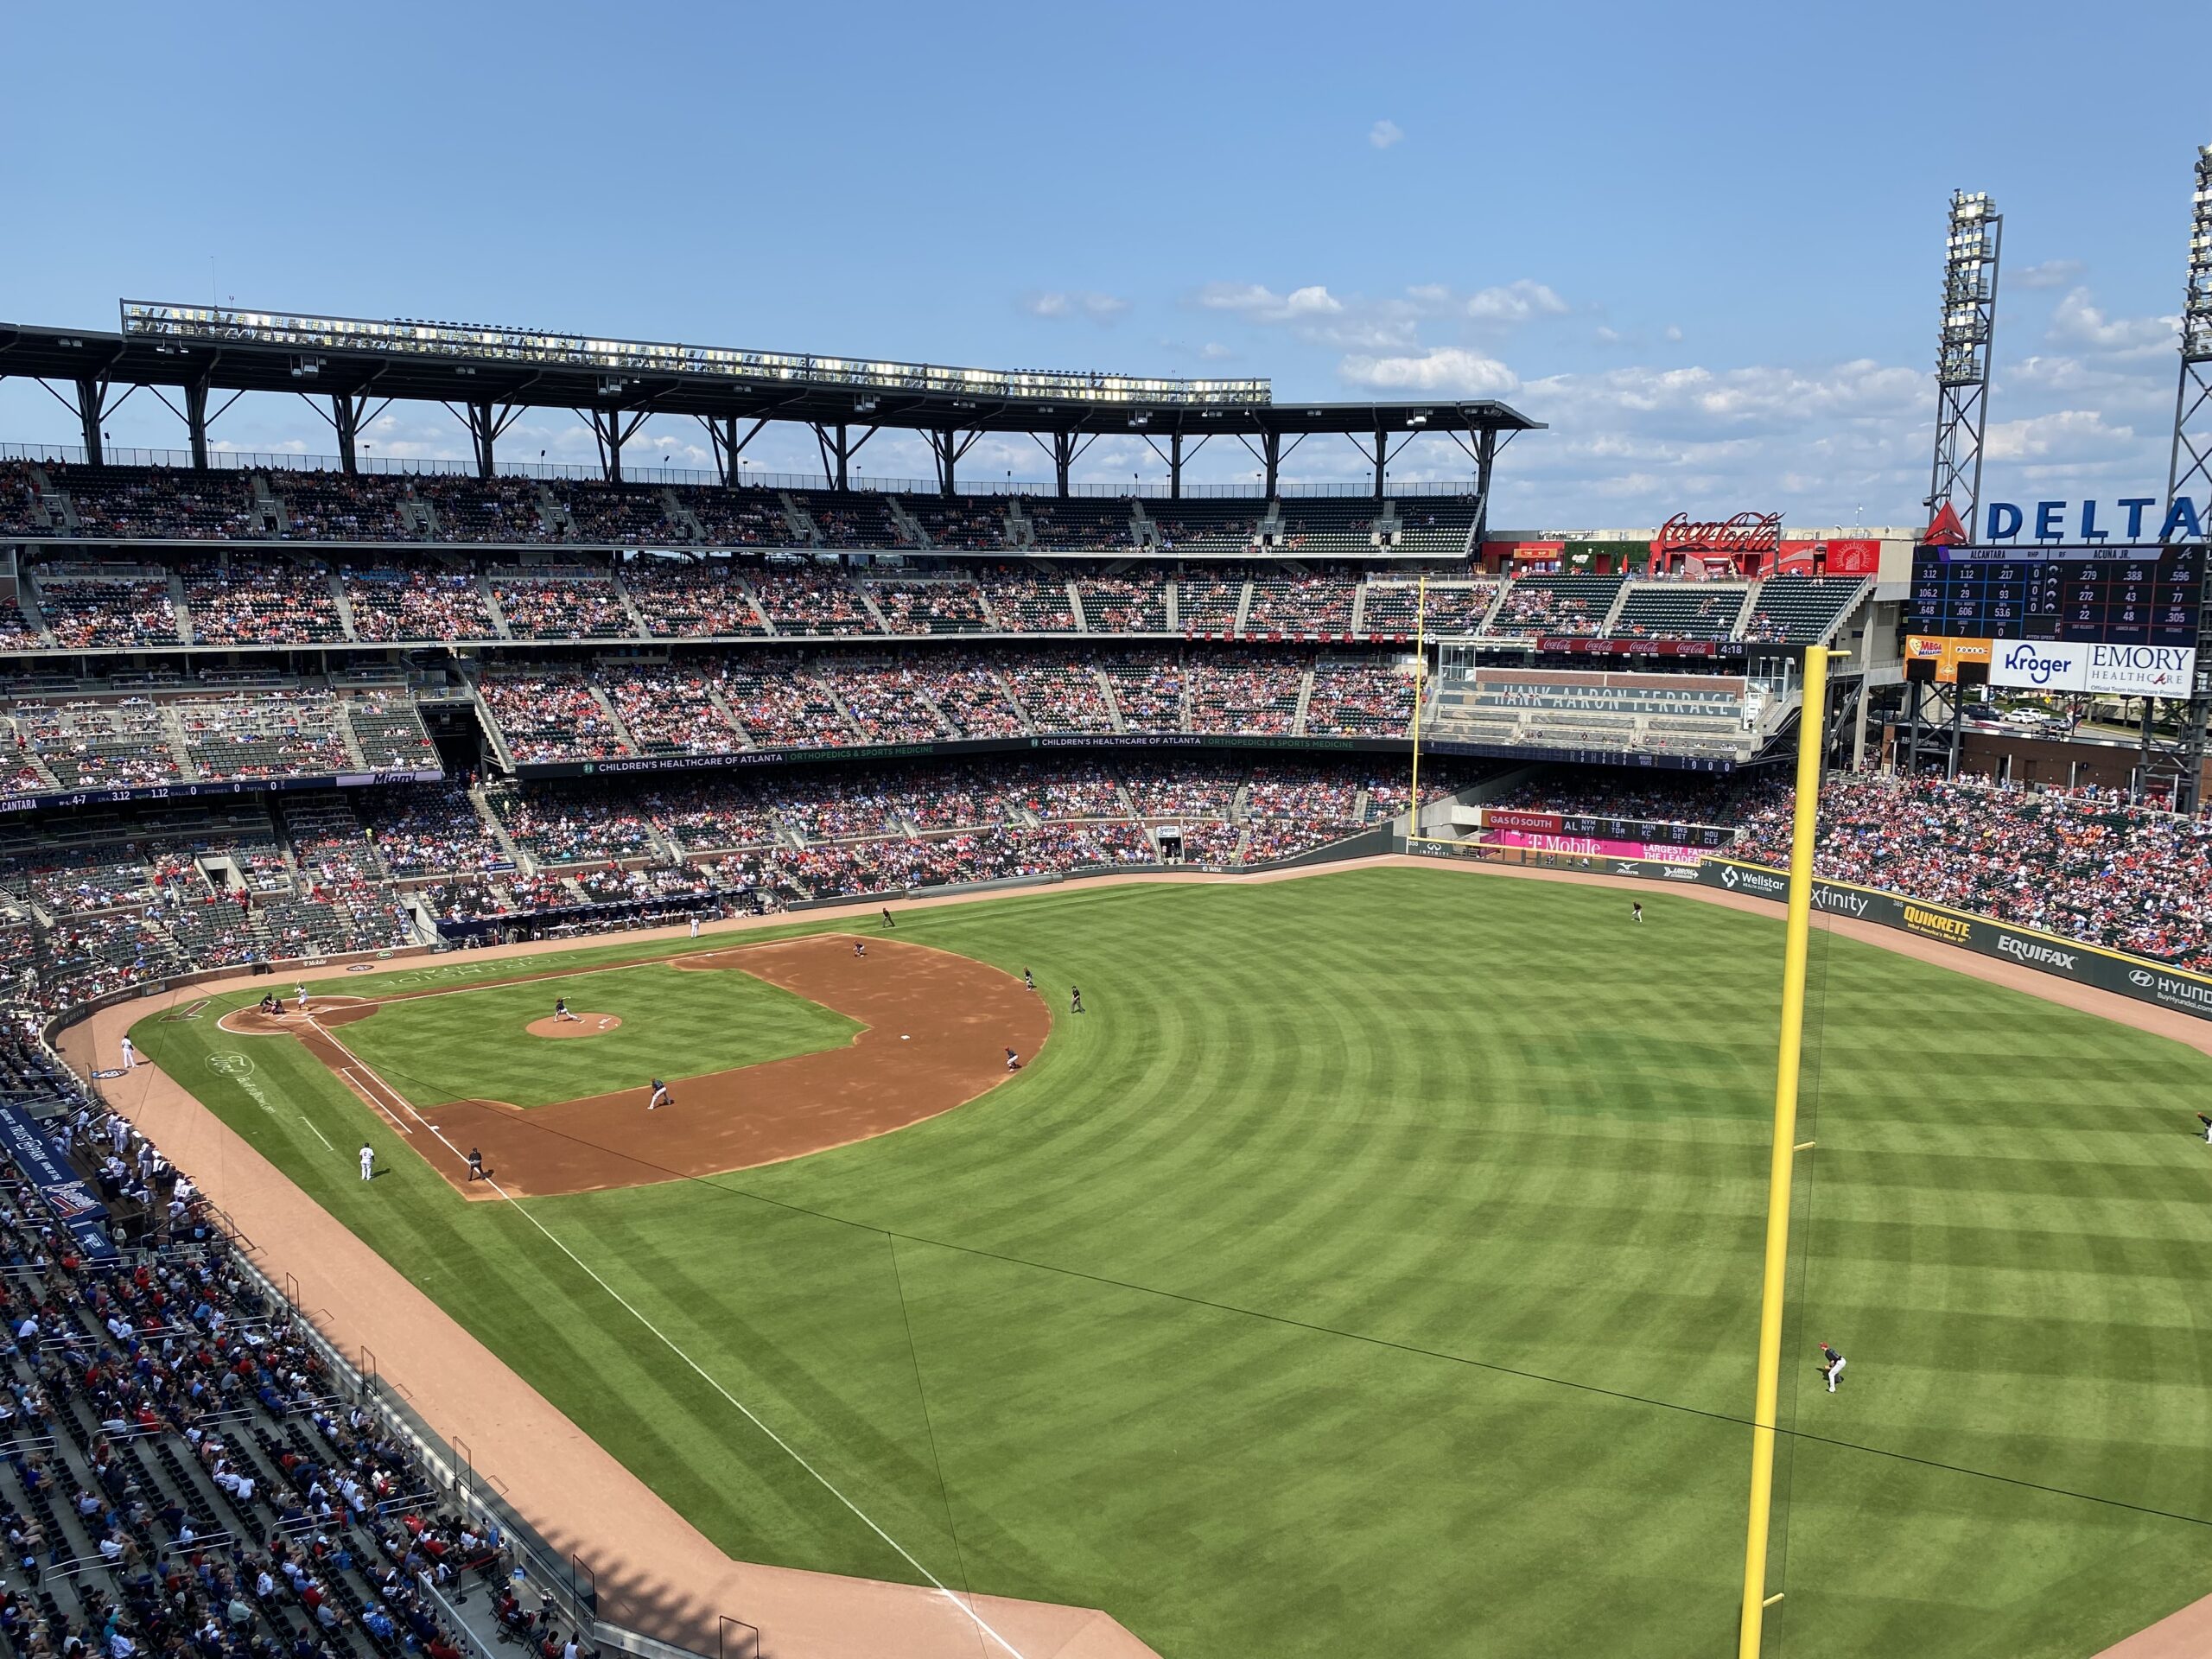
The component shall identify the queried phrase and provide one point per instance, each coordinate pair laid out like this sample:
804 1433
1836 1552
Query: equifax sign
2132 519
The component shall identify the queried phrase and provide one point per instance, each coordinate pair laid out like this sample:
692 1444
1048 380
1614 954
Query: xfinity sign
2123 670
2132 519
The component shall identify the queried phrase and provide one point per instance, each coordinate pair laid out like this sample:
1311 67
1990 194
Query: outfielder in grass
1831 1366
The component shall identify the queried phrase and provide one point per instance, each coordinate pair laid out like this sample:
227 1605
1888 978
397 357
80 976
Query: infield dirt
936 1028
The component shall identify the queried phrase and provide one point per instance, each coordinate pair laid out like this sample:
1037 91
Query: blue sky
1704 243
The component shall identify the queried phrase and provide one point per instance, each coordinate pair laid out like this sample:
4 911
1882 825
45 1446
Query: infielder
661 1096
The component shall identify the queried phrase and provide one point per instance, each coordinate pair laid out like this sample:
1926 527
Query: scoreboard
2090 596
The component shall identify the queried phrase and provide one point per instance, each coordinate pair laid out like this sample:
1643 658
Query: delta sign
2132 519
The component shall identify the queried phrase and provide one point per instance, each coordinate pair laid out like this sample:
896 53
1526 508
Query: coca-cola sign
1747 533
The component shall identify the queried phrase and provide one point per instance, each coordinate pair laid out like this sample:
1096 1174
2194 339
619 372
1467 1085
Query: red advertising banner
1540 823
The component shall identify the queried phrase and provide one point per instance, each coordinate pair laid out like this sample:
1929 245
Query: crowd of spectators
188 1474
416 603
545 605
551 717
108 611
243 601
679 599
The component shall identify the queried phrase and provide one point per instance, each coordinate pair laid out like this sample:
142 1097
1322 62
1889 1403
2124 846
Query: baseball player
1831 1366
130 1055
1075 999
560 1010
368 1161
475 1165
300 997
860 947
1013 1061
887 921
1028 980
661 1096
2206 1121
1635 910
694 927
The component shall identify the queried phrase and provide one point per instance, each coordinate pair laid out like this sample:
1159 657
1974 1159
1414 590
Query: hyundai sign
2124 671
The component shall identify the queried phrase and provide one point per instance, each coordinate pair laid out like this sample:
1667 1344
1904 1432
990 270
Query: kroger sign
2132 519
2128 671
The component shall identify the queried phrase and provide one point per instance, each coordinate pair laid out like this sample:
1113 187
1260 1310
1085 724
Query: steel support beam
487 422
195 421
91 410
947 445
729 448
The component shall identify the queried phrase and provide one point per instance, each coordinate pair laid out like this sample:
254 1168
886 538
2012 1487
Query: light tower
1963 352
2189 468
2175 766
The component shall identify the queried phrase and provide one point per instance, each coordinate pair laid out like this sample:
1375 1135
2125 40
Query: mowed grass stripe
1483 1118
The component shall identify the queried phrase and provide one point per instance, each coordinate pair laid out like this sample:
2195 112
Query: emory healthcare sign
2126 670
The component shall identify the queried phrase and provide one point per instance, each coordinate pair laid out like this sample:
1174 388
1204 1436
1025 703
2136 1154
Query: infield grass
472 1044
1374 1268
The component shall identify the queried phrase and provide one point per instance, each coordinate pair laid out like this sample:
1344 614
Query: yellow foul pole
1420 690
1811 727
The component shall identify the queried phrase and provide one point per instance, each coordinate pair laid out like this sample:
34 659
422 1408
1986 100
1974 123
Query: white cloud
1514 302
1441 368
1383 134
2077 322
1674 331
1261 304
2073 435
1214 352
1054 304
2051 273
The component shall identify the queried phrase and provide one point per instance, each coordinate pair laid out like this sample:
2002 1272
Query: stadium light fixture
156 320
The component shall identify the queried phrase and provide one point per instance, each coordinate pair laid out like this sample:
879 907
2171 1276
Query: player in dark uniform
1635 910
1029 983
661 1096
561 1011
1013 1061
475 1165
887 921
1831 1366
860 947
1075 999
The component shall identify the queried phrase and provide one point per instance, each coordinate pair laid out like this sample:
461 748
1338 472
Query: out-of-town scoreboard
2087 595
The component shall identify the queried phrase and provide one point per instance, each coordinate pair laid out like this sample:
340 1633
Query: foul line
623 1302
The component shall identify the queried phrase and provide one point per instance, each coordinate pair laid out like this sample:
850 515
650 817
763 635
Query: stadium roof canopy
486 375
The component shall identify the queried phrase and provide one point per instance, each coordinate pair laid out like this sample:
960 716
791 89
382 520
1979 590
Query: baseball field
1372 1267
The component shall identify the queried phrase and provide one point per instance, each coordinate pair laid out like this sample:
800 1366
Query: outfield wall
2136 977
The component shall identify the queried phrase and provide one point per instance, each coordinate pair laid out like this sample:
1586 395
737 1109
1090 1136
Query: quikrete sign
2132 519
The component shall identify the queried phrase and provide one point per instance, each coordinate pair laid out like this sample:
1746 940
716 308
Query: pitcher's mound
585 1023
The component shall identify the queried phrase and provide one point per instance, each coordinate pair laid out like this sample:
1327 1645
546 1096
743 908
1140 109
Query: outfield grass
470 1043
1351 1277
